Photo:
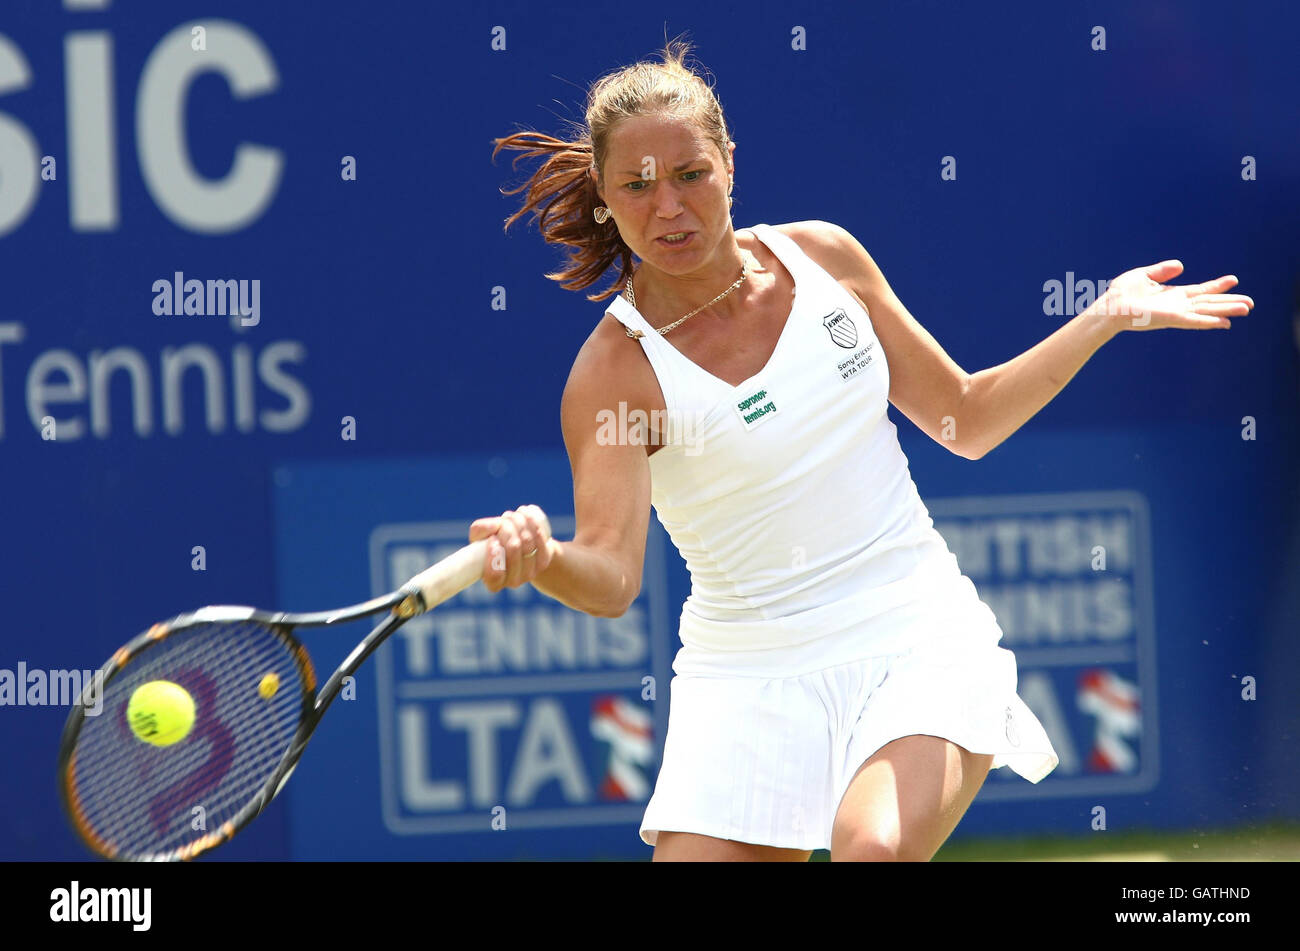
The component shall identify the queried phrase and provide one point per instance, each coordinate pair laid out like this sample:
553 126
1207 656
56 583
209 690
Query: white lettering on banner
1044 545
162 117
1062 612
532 636
546 752
18 149
452 641
180 191
86 394
419 791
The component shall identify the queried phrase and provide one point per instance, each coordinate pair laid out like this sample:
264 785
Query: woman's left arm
972 413
1003 398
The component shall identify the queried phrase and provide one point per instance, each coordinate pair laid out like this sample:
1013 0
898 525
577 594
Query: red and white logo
628 729
1114 702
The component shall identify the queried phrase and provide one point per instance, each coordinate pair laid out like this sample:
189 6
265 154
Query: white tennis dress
827 616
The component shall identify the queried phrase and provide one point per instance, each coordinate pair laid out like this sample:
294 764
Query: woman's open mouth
678 239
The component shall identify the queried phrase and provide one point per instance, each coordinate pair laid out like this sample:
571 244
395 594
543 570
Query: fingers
1223 305
539 532
1216 286
1206 302
1210 313
1202 306
483 528
1164 271
518 549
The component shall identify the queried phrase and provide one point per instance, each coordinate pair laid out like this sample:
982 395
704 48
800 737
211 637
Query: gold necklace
631 296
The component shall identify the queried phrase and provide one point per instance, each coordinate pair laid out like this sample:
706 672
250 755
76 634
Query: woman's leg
906 799
690 847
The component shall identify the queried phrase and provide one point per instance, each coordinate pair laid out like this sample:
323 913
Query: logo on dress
756 408
1013 735
841 329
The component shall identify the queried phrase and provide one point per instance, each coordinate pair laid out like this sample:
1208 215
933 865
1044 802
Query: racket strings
141 800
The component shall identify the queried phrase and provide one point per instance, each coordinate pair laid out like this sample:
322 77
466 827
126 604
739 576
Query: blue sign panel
1069 578
510 710
492 726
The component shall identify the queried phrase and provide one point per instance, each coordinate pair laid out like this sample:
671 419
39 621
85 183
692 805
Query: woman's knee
854 843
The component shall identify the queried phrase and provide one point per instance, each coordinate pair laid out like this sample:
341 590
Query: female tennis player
840 684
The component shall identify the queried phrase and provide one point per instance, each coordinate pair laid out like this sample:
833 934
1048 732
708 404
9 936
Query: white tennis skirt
757 754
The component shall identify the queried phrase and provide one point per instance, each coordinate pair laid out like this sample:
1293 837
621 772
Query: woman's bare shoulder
819 239
835 249
611 368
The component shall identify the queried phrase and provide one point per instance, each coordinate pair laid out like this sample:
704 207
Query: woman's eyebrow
677 168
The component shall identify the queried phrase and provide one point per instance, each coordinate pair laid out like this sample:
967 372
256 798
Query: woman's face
664 177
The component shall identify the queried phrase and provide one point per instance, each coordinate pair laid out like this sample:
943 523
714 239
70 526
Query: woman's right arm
599 571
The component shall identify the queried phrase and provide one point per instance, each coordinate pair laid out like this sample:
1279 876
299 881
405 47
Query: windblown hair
561 194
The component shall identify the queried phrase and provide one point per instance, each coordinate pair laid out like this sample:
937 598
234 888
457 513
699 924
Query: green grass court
1263 843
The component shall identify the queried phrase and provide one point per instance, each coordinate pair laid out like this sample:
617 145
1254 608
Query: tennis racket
255 707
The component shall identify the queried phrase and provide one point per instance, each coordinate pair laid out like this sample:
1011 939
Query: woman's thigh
690 847
906 800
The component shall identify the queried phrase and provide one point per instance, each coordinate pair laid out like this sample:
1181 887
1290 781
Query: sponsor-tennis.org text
75 904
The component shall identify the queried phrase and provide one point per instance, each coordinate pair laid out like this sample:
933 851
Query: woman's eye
640 184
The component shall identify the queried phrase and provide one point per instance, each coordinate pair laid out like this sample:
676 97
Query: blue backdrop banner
263 340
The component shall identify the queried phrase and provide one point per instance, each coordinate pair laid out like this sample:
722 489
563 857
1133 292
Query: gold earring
601 214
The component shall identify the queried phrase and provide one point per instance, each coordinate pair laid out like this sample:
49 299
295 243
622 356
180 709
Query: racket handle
447 578
452 575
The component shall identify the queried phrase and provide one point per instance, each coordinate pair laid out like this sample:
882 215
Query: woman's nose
667 203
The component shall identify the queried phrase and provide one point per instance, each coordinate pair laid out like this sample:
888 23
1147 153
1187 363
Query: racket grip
450 576
455 573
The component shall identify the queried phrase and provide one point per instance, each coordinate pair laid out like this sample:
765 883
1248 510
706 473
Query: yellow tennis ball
269 685
160 712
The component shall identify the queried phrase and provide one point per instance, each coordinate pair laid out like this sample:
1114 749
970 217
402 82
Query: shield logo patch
841 328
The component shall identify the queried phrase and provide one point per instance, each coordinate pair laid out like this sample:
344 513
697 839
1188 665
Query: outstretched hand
1140 300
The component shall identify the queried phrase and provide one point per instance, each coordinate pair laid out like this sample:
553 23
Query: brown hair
561 194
